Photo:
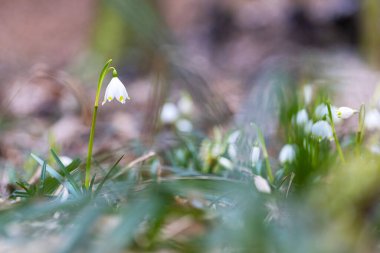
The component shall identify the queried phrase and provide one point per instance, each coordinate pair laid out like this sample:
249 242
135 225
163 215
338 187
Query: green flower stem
104 72
265 153
361 129
339 149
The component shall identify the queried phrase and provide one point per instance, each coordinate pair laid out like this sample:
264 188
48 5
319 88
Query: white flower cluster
178 114
233 148
321 129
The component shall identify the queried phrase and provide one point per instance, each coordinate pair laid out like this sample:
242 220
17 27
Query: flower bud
261 184
345 112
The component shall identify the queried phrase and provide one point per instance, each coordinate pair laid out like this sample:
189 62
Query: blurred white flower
232 151
234 136
64 195
372 120
261 184
321 129
375 149
345 112
287 154
115 89
185 105
255 155
302 117
322 111
217 149
308 93
226 163
308 126
184 125
169 113
65 160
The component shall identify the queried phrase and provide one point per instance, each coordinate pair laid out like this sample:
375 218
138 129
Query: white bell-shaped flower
322 111
308 93
169 113
115 89
287 154
226 163
301 117
308 126
372 120
65 160
185 105
255 155
345 112
184 125
322 130
261 184
233 137
232 151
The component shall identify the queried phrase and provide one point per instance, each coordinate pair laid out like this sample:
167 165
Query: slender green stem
105 70
361 129
338 147
265 154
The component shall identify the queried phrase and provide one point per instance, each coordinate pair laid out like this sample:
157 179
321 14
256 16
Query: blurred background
222 54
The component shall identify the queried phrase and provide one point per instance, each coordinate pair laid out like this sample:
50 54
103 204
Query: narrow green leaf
65 171
42 179
107 176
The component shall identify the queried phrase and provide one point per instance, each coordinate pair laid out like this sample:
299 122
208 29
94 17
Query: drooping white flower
308 93
287 154
322 130
345 112
115 89
234 136
226 163
232 151
184 125
185 105
308 126
372 120
323 112
65 160
261 184
169 113
301 117
255 155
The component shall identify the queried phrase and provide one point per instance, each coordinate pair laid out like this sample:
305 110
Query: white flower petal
308 93
261 184
169 113
232 151
323 112
184 125
185 105
255 155
372 120
225 163
287 154
233 137
65 160
308 126
322 130
302 117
